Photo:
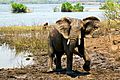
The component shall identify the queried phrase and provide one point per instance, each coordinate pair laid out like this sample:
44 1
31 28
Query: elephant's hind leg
50 59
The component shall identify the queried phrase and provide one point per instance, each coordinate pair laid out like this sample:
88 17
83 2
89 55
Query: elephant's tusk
79 39
68 42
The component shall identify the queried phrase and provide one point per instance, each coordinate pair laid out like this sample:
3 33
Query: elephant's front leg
84 54
69 63
86 58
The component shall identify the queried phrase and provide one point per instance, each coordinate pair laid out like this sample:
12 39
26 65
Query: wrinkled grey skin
65 36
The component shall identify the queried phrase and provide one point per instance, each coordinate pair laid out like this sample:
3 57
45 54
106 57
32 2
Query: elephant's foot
59 70
69 72
86 66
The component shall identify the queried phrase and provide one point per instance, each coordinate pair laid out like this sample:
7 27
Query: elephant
66 35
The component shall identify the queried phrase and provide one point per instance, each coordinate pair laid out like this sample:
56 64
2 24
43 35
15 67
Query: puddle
9 58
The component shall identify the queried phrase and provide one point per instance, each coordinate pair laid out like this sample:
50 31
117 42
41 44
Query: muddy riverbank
105 65
103 48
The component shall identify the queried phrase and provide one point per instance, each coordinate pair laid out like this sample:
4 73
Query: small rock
112 29
88 36
21 76
114 47
115 42
117 70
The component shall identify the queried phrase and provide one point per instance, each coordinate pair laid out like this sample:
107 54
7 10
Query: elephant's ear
91 18
90 24
63 26
64 19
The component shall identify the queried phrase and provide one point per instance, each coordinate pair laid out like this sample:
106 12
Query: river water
42 13
9 59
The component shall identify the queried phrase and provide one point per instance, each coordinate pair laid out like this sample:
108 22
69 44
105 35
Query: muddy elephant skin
66 35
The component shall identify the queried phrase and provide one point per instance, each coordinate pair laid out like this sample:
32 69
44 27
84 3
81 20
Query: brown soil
105 63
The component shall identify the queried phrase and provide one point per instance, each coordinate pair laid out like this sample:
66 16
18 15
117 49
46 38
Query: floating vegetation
68 7
19 8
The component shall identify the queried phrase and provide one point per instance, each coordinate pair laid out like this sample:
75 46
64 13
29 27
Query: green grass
30 39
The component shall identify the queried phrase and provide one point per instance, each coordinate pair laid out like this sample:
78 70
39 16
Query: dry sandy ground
105 64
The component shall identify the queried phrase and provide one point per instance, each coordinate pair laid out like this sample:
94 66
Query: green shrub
78 8
18 8
112 9
68 7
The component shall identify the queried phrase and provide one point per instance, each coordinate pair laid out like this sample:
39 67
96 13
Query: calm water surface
41 13
9 59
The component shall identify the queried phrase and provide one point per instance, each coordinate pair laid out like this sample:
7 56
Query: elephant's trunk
74 40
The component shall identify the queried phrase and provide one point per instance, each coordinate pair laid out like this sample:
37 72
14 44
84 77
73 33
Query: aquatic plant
56 9
19 8
78 8
68 7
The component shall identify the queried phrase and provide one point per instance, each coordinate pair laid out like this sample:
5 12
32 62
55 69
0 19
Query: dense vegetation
78 8
112 9
68 7
19 8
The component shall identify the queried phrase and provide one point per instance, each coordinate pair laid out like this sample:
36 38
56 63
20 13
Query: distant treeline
48 1
31 1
